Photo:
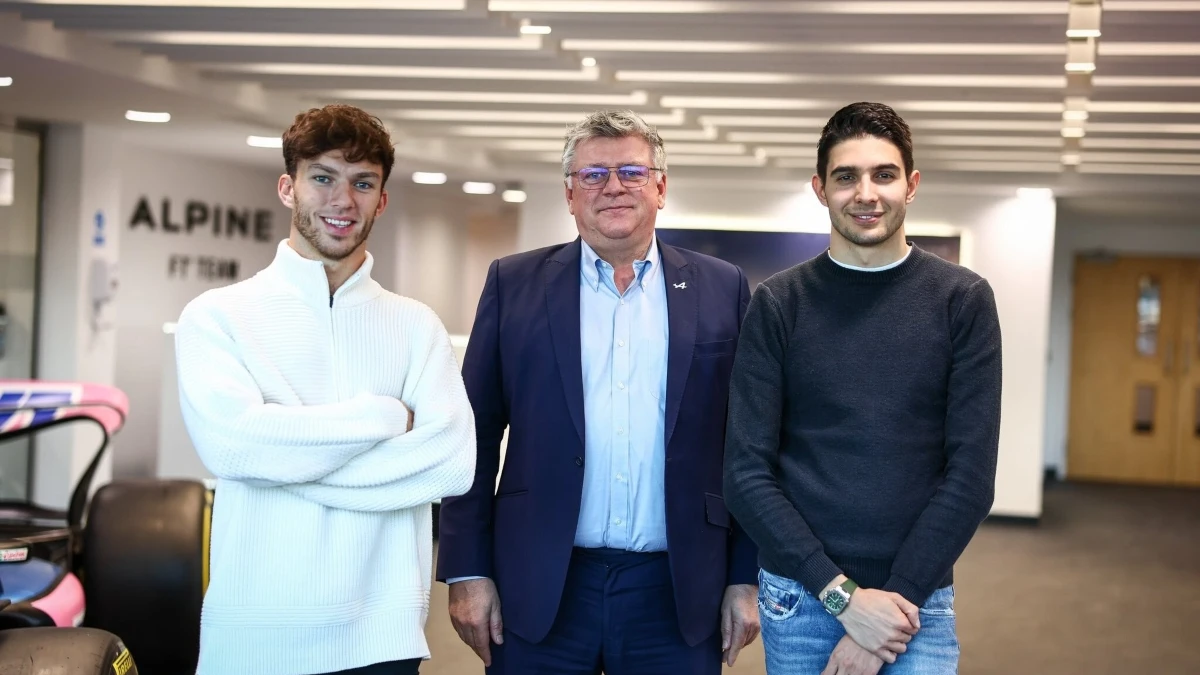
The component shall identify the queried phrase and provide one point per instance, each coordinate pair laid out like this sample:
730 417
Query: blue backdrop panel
761 254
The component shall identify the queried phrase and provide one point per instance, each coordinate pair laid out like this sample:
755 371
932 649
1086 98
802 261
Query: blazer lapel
562 304
682 307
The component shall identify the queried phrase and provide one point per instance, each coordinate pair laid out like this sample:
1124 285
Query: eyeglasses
630 175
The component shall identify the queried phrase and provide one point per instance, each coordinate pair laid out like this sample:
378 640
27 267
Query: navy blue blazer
523 371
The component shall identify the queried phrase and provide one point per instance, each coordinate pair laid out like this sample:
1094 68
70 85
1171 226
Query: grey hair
613 124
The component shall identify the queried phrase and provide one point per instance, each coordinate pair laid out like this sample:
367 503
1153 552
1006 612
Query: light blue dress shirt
624 351
623 341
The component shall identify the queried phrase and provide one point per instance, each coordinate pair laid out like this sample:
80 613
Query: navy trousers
617 617
408 667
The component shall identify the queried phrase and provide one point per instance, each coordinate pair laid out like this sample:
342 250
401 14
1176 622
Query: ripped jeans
799 635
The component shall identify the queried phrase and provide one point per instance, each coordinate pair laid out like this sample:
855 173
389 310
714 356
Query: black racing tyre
63 651
145 568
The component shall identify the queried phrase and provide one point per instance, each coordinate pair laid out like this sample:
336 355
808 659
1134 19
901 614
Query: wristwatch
837 598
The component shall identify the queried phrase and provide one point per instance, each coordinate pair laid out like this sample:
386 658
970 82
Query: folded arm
240 436
435 459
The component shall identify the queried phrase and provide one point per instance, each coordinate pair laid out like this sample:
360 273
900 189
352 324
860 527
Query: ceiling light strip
959 7
415 72
325 40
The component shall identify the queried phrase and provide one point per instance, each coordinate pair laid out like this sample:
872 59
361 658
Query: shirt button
616 521
620 432
620 343
622 301
620 478
620 385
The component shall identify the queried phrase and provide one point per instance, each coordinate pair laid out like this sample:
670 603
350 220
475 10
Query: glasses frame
611 170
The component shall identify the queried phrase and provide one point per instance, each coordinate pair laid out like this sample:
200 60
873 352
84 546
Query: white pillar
78 286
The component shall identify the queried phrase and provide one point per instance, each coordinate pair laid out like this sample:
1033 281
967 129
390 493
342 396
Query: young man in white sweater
332 413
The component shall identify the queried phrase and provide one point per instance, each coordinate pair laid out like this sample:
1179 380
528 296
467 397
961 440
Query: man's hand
475 613
850 659
879 621
410 419
739 620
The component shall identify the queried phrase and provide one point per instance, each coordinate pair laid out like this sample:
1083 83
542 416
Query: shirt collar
593 269
307 278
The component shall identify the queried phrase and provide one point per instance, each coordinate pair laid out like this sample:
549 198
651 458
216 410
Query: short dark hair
352 130
865 119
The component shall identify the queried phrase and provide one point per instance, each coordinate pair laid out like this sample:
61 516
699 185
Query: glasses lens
633 174
593 176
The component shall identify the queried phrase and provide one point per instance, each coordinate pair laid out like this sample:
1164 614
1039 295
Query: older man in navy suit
606 547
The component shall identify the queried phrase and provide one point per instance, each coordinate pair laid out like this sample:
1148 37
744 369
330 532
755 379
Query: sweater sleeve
752 490
435 459
240 436
965 496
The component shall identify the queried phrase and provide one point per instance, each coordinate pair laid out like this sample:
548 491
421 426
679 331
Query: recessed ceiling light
589 62
1083 33
140 116
428 178
1035 193
473 188
264 141
513 196
535 30
5 81
1081 67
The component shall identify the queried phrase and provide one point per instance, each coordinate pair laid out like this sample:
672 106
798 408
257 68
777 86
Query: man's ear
287 191
383 202
913 181
818 187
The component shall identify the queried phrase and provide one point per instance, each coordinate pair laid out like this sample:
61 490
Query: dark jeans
409 667
617 617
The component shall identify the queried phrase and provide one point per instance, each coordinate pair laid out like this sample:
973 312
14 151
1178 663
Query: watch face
835 601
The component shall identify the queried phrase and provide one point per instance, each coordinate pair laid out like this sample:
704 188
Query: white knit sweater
321 530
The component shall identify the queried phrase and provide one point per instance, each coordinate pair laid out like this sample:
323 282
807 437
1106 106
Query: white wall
162 269
1007 240
1124 232
445 241
432 243
77 320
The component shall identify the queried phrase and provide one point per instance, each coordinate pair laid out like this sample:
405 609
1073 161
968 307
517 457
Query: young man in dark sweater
864 417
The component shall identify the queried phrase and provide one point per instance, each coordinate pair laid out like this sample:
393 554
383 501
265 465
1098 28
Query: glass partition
20 190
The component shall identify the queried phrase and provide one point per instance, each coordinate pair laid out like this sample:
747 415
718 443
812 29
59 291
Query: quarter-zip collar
306 279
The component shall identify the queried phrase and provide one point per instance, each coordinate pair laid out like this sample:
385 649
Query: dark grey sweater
864 417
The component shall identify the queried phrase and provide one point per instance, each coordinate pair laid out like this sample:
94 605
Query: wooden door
1128 405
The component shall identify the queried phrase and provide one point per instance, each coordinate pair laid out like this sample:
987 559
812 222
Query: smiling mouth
866 217
337 223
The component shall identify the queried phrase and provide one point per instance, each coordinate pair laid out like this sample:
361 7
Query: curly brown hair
352 130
